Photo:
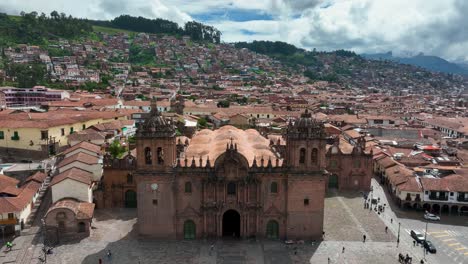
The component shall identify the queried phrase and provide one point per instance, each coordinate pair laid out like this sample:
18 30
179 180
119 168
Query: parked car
419 237
429 246
432 217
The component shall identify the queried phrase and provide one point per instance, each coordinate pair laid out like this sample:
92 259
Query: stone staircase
38 209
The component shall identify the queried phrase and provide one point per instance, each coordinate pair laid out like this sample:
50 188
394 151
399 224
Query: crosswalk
448 241
437 234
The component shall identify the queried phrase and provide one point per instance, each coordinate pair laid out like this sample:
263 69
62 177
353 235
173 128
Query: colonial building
232 182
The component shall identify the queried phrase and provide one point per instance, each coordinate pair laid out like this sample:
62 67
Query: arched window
188 187
189 230
129 178
302 154
231 188
272 229
314 156
160 154
274 187
148 156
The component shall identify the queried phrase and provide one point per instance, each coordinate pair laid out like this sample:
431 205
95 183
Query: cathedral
230 182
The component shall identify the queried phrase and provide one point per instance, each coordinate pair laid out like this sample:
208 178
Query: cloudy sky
437 27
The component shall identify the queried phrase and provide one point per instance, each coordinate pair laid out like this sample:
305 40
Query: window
160 154
231 188
83 127
451 193
71 130
62 131
2 135
15 136
302 153
306 201
44 134
378 121
314 156
274 187
188 187
155 202
11 215
129 178
148 158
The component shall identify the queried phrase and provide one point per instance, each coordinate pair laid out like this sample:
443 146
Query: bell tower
156 143
305 144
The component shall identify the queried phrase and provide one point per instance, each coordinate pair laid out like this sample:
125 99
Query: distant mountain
432 63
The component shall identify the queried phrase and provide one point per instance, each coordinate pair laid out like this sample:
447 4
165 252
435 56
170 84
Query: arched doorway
427 207
464 210
189 230
130 199
454 210
231 224
436 209
272 230
333 181
81 227
445 209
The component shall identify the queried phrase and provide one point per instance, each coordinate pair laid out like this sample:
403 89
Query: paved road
449 236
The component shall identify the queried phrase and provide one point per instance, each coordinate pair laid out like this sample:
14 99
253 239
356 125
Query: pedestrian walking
342 251
109 254
329 260
364 239
391 220
100 261
211 248
386 229
414 243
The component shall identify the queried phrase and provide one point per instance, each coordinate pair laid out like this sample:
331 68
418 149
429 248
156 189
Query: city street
449 236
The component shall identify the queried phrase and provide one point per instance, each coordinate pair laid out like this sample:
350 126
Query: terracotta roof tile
74 174
82 210
81 157
84 145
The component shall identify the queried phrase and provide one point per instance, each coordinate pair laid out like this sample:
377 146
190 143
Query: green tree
116 149
202 123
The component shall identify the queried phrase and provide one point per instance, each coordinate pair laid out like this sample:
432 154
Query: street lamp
425 237
398 239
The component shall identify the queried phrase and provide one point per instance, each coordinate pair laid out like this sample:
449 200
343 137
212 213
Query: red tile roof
84 145
81 157
82 210
74 174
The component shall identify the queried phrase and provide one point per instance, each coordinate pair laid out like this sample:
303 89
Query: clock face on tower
154 186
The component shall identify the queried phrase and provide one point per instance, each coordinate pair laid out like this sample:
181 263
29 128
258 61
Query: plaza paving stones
345 222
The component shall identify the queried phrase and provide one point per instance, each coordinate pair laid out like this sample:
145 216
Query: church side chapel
238 183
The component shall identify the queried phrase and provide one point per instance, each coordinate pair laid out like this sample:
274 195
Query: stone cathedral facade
236 183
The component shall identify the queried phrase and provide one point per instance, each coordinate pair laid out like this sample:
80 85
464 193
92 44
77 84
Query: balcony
438 198
9 221
462 199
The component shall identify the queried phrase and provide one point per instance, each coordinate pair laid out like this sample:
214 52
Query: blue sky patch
237 15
